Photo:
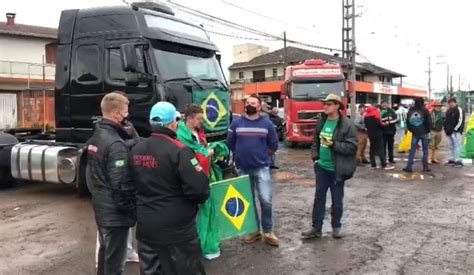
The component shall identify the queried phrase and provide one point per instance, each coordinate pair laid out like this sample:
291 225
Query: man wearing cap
334 156
170 185
437 122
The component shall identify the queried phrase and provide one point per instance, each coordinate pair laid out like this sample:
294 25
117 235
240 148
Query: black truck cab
143 50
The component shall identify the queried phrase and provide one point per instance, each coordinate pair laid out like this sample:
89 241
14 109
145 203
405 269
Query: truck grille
307 130
313 116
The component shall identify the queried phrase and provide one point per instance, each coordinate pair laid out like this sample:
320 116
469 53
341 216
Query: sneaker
449 163
311 234
365 161
133 258
426 169
271 239
458 164
360 164
337 233
435 161
253 237
390 167
274 167
392 162
212 256
408 170
374 167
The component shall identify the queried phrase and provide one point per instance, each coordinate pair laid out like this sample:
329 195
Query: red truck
304 88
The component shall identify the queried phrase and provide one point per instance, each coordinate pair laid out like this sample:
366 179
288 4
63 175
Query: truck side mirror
129 57
131 79
218 57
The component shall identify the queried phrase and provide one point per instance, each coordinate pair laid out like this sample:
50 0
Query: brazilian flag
235 209
216 105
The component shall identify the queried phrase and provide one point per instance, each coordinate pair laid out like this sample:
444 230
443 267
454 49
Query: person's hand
326 142
210 152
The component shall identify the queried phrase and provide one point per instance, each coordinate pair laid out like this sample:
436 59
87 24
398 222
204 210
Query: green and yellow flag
216 106
235 209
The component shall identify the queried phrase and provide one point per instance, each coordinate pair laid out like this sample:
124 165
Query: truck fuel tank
43 163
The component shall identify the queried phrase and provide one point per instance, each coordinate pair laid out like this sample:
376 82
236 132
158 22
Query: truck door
87 66
141 96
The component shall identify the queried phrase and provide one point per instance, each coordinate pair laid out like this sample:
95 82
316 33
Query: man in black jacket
454 127
334 156
108 175
170 186
389 118
419 124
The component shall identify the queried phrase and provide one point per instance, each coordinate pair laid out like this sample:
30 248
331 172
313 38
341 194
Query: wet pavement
394 223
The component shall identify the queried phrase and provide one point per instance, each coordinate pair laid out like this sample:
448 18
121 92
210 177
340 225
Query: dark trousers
388 143
174 259
327 180
112 250
376 148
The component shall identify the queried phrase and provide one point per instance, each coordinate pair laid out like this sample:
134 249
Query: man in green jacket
334 156
190 134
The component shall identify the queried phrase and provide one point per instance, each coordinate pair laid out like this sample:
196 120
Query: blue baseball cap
162 114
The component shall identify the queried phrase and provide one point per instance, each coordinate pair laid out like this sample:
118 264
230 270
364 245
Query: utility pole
451 85
284 51
459 87
349 49
447 82
429 77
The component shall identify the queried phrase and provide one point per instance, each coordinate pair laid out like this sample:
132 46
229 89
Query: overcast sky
398 35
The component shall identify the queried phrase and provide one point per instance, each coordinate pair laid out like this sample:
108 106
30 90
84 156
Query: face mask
250 110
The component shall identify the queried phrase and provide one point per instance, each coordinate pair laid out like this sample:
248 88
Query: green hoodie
186 136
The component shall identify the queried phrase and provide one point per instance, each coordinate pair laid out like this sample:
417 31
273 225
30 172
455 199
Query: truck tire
81 183
7 141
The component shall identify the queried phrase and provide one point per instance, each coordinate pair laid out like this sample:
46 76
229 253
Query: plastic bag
405 144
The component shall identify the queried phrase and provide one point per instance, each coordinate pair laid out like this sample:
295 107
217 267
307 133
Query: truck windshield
177 63
307 91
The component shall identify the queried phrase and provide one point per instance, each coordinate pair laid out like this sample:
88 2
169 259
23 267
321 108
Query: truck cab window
116 71
87 61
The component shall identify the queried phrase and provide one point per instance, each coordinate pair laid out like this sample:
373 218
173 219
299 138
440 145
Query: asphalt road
394 223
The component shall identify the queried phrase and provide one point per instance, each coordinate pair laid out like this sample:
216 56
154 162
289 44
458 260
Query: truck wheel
81 185
290 144
6 179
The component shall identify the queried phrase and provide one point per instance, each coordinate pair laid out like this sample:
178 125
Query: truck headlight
295 128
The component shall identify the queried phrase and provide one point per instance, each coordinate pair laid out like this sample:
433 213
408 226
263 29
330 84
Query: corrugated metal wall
33 112
8 110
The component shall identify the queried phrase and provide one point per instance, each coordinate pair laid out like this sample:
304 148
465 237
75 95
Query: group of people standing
381 124
160 183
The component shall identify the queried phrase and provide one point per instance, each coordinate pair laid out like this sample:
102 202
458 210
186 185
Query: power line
238 37
265 16
242 27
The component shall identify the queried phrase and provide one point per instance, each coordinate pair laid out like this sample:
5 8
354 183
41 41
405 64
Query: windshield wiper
216 80
185 78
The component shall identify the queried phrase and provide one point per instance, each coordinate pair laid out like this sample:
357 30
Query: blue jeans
455 148
425 143
261 181
327 180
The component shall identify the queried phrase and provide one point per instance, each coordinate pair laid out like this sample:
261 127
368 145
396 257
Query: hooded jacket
454 121
373 122
419 121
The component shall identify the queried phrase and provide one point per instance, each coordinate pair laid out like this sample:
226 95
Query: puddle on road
304 182
414 176
294 178
284 175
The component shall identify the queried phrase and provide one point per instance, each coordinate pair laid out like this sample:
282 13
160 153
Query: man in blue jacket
253 139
